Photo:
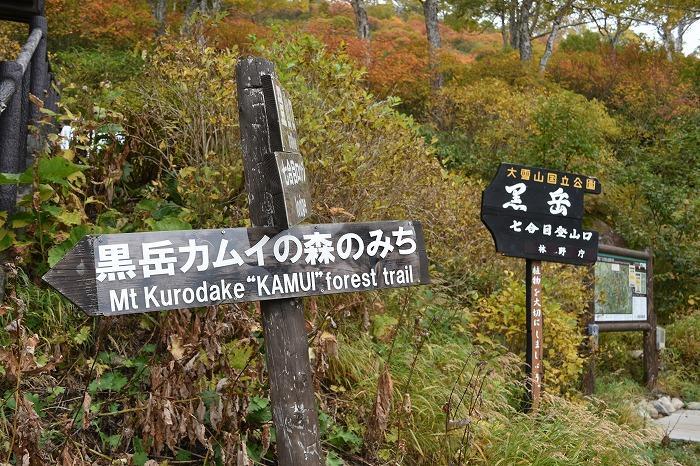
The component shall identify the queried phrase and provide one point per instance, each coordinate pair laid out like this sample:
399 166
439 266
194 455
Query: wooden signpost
536 214
275 262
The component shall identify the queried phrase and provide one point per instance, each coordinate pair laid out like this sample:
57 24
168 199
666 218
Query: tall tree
672 19
430 11
612 18
361 20
561 13
159 7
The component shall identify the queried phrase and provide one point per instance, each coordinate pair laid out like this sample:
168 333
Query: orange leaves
641 84
110 22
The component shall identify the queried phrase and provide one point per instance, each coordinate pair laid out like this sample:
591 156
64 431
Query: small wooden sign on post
536 214
275 262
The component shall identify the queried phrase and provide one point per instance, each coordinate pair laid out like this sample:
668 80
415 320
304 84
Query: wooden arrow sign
144 272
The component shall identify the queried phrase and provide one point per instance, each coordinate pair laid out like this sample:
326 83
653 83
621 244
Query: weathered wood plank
158 271
293 404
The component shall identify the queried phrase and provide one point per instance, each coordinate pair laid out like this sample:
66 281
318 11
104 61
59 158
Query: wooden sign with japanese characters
294 190
144 272
537 214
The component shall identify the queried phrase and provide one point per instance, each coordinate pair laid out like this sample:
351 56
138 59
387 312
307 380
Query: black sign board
536 214
20 10
143 272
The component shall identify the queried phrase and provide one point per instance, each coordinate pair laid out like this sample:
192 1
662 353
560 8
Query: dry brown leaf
199 432
341 211
215 414
329 343
87 399
168 413
379 418
265 439
242 459
407 406
201 410
176 348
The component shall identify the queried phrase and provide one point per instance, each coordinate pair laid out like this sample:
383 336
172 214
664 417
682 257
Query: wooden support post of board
291 388
651 357
533 351
590 347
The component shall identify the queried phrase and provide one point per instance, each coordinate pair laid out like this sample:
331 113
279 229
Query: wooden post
590 348
11 133
651 357
533 350
286 347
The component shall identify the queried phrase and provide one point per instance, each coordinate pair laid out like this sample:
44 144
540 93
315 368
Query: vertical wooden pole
588 383
11 123
533 351
286 347
651 357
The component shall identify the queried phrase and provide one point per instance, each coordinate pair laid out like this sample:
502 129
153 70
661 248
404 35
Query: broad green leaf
57 170
9 178
111 381
168 224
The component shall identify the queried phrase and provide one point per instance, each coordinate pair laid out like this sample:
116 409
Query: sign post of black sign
275 262
536 214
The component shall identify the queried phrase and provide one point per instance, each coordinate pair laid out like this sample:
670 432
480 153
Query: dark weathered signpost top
20 10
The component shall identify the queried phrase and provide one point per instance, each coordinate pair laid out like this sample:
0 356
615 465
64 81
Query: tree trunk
678 40
549 48
524 40
667 37
192 6
513 25
556 26
504 32
159 7
361 21
430 10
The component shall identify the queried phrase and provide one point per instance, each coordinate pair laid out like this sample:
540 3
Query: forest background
404 110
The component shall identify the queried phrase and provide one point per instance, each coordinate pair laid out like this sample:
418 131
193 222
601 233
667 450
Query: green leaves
259 411
110 381
57 252
50 170
57 170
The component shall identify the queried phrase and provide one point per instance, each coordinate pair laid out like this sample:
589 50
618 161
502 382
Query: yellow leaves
500 320
176 348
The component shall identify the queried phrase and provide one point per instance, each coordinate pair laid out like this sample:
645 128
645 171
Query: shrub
489 122
499 321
